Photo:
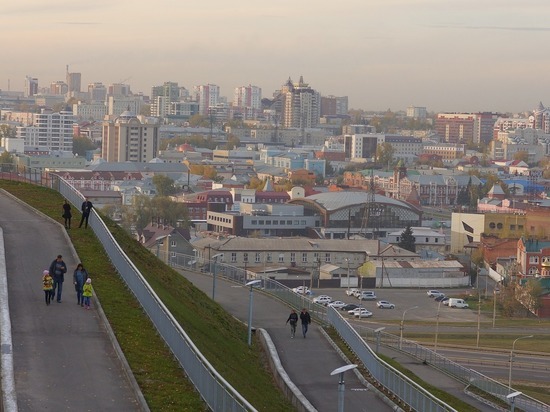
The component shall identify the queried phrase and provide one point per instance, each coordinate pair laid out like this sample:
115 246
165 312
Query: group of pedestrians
53 278
305 318
86 209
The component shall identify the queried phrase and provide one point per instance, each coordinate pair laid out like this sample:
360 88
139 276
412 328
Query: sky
445 55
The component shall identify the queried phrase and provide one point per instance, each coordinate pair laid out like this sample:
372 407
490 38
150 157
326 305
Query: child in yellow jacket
87 292
47 286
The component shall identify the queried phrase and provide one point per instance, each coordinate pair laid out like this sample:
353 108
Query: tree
6 158
531 295
522 156
164 185
82 144
407 240
174 213
7 131
384 154
198 120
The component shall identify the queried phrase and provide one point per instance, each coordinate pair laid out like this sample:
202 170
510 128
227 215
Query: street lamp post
215 258
347 260
377 331
512 359
251 284
195 259
402 326
341 387
437 326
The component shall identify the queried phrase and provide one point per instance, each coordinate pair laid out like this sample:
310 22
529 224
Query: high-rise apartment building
130 138
119 90
207 96
334 106
162 98
59 88
301 105
465 127
417 112
31 86
247 101
74 82
53 131
97 92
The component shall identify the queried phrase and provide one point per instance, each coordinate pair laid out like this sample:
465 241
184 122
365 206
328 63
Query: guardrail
219 394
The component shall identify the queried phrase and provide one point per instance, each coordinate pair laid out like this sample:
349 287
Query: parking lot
404 299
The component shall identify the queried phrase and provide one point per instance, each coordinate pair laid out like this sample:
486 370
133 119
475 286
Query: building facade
53 131
128 138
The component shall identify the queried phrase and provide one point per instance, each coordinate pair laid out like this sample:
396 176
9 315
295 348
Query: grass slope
221 339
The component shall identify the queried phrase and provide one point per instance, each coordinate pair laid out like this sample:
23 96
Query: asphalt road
63 358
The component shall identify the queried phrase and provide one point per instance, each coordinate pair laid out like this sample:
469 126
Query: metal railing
219 394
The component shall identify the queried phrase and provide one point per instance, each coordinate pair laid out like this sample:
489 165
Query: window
304 257
292 257
173 243
492 225
245 257
427 239
327 257
233 257
512 227
281 258
436 240
499 225
269 257
257 257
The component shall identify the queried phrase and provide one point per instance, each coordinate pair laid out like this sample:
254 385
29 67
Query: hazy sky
468 55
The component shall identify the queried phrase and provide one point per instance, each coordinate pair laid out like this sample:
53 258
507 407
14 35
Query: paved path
309 361
63 358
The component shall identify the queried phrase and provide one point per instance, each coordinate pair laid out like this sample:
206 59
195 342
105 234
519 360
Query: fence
218 393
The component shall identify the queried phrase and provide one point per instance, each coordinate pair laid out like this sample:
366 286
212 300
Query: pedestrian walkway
63 356
308 362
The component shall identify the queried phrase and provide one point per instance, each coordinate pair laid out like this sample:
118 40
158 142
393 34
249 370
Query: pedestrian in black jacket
293 319
86 209
306 320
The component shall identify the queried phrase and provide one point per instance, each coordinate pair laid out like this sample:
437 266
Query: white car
352 292
337 304
384 304
434 293
302 290
322 300
367 295
363 313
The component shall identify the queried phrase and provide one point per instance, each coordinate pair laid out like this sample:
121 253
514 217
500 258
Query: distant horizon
467 56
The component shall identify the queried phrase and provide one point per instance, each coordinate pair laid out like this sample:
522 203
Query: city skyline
463 56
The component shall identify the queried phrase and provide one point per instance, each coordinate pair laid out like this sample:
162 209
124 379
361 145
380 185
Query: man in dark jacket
58 268
306 320
86 209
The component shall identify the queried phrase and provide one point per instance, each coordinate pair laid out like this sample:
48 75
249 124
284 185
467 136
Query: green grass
221 338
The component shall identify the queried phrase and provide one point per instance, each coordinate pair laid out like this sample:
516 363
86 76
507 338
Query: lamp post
512 359
437 326
478 317
215 258
347 260
341 387
251 284
494 305
195 259
402 326
377 331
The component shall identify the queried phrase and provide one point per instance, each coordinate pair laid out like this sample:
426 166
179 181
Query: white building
90 111
53 131
207 96
425 238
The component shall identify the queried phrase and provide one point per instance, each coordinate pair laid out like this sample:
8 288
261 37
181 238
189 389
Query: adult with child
79 278
86 210
57 271
47 286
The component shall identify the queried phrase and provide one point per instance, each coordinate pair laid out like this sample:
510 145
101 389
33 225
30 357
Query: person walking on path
87 292
306 320
67 215
86 209
47 286
79 277
293 319
58 268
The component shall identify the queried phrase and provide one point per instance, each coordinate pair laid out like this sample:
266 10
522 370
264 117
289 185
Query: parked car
322 300
434 293
367 295
445 301
351 292
457 303
440 298
363 313
302 290
337 304
350 306
384 304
